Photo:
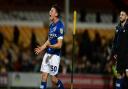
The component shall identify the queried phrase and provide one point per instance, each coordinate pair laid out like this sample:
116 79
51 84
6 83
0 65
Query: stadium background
24 25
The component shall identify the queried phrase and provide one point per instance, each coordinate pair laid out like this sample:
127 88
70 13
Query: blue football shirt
56 31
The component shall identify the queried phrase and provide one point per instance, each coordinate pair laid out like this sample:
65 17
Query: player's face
123 16
53 14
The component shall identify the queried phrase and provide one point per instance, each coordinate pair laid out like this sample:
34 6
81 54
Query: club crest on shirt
54 29
61 30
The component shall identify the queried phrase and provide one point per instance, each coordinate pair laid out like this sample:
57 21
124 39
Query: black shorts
122 63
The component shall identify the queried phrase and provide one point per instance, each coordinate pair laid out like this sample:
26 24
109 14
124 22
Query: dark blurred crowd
91 56
17 57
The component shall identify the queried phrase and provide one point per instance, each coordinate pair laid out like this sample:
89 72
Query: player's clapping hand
39 49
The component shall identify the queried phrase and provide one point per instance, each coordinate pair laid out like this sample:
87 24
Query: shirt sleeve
60 33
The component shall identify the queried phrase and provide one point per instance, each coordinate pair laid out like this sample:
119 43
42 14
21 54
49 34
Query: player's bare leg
44 80
127 73
126 80
57 82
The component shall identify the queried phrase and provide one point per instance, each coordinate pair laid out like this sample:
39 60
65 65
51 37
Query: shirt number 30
53 68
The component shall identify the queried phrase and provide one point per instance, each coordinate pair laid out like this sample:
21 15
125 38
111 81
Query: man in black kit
120 51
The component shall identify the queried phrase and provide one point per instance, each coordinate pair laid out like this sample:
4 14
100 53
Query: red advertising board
3 80
87 81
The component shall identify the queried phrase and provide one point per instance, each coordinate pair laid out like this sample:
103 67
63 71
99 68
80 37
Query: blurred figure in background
16 35
1 40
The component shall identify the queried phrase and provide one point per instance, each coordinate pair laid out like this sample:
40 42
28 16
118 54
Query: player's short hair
58 9
124 11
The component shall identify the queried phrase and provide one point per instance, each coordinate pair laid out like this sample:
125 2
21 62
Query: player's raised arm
41 48
58 45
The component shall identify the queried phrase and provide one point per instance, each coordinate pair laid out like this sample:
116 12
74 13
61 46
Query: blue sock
119 84
60 85
43 85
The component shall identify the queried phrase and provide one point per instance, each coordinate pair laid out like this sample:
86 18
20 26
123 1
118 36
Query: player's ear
56 14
